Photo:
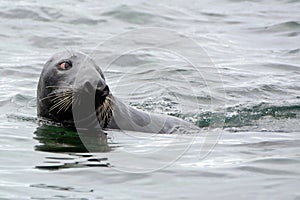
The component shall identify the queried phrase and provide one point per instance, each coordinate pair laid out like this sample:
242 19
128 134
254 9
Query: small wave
294 51
214 14
291 25
21 71
74 160
265 170
87 21
22 99
282 66
22 117
59 188
290 28
23 13
54 42
128 14
243 116
279 160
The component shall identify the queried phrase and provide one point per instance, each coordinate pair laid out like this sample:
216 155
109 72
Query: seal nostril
106 91
102 92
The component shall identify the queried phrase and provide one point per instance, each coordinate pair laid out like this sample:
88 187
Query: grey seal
68 78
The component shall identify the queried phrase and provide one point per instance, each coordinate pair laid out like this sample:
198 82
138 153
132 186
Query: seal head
67 78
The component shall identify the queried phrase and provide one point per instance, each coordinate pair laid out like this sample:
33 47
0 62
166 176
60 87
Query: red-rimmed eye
65 65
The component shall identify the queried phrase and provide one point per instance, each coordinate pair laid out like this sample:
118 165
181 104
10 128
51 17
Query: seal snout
101 89
104 92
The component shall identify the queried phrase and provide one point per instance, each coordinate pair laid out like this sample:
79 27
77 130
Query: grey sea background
252 88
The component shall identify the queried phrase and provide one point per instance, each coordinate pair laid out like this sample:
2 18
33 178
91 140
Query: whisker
68 84
58 104
54 86
61 96
62 106
68 102
58 95
49 96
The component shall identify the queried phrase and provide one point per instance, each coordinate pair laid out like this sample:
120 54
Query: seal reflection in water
72 91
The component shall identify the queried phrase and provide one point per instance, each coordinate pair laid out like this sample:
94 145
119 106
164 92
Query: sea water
245 99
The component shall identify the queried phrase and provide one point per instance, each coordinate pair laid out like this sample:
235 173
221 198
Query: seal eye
65 65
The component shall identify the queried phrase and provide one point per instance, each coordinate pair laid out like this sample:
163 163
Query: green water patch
60 139
245 116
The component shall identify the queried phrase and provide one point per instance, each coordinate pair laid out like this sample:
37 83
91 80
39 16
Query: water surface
254 45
